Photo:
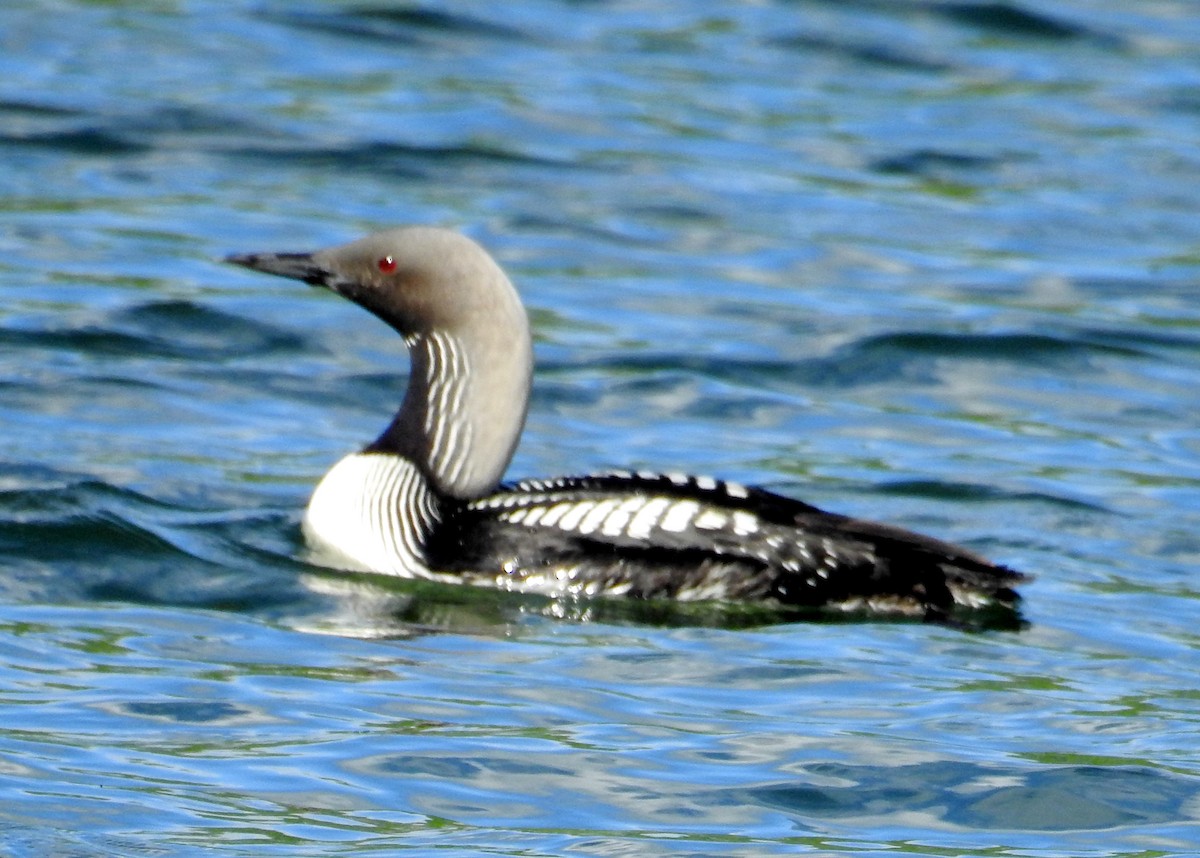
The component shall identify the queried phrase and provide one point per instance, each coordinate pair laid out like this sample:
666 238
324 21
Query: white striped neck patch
373 512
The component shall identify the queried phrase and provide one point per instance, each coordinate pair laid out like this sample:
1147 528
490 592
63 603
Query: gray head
417 279
467 333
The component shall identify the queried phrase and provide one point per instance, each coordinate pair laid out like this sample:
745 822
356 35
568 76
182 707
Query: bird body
424 500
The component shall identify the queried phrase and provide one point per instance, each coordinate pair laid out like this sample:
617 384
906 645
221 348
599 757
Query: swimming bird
425 499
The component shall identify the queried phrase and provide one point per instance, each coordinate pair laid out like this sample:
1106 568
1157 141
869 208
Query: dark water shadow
846 47
173 330
396 26
1054 798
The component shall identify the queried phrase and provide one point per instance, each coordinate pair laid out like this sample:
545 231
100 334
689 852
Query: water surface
932 263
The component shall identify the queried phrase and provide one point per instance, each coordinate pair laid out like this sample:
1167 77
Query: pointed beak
298 266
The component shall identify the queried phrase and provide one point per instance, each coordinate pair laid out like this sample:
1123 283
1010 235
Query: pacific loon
425 499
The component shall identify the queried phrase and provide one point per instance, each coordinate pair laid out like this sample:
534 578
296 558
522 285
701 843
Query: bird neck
465 406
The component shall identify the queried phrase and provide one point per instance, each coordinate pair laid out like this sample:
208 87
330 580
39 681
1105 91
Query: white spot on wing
596 517
574 515
555 513
736 490
710 519
614 525
534 515
679 516
744 523
647 517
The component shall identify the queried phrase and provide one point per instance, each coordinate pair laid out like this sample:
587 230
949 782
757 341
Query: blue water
935 263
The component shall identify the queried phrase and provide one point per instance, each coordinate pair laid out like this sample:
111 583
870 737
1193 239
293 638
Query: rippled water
935 263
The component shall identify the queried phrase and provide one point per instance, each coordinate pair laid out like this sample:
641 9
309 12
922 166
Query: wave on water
399 27
73 538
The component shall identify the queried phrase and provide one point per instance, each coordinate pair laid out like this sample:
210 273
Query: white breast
370 513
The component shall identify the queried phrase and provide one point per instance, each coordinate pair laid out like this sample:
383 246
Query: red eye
387 265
